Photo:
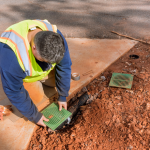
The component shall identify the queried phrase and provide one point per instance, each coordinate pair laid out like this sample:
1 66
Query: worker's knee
35 90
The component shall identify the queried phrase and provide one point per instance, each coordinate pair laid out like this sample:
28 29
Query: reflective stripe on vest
47 25
21 49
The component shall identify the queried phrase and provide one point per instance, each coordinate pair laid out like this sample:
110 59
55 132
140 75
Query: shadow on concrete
85 18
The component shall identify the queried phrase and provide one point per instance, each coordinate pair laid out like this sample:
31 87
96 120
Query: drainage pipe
74 108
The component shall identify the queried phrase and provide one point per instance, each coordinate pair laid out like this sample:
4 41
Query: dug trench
113 118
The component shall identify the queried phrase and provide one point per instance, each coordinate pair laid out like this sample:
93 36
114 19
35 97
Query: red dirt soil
116 119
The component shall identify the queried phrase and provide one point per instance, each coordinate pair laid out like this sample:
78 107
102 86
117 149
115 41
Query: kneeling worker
33 52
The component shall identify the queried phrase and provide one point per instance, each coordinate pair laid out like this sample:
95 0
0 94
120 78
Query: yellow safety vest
15 37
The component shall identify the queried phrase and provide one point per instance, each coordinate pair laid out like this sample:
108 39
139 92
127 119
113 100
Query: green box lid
55 116
121 80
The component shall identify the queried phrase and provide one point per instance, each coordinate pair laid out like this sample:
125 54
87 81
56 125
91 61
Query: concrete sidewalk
89 59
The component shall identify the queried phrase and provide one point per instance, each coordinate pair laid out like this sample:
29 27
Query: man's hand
62 104
41 123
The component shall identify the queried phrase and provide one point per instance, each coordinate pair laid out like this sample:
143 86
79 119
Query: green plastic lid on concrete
55 116
121 80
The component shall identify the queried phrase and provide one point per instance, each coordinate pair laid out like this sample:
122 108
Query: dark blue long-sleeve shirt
12 80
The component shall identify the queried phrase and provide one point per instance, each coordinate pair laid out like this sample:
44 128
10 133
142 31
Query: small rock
130 136
140 125
143 142
148 131
142 72
130 91
134 120
107 122
118 120
148 106
119 104
103 78
90 100
33 145
144 123
130 147
141 131
118 97
95 96
133 71
40 146
136 129
73 134
128 63
114 118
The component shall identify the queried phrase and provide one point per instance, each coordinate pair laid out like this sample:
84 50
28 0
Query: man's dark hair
50 46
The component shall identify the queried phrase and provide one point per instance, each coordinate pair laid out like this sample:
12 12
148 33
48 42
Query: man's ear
33 47
34 50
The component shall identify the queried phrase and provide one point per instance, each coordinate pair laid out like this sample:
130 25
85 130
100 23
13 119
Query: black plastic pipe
76 105
74 108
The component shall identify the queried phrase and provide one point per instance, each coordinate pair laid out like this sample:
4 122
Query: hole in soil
134 56
74 109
